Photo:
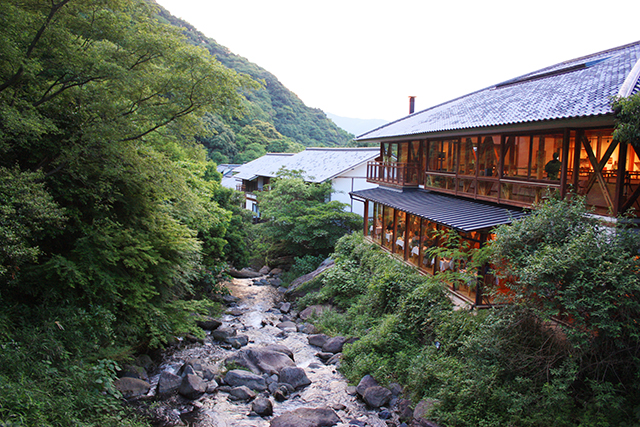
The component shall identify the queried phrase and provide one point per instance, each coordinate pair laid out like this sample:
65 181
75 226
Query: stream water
255 317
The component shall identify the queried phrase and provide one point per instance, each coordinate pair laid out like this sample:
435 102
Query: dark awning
460 214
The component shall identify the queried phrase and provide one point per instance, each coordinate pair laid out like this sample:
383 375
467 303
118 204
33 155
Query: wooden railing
400 174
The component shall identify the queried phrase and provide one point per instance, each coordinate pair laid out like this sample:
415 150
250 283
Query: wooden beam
598 171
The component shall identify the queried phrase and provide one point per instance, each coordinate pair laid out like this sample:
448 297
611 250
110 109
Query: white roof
317 164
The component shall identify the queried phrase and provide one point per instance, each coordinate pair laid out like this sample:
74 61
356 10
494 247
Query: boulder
168 384
245 273
261 360
221 334
366 382
285 307
405 413
235 311
264 270
334 345
276 272
192 387
313 310
279 348
376 396
334 360
237 341
294 376
241 393
238 377
134 371
423 408
307 328
287 326
262 406
209 323
297 283
199 367
317 340
131 387
230 299
306 417
324 356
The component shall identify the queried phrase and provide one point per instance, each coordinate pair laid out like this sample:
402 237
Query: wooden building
475 162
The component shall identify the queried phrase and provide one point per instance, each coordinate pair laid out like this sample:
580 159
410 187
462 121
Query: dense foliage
509 365
276 119
110 211
298 218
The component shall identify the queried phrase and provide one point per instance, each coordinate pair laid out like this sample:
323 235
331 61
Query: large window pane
442 155
516 158
488 155
413 239
387 238
547 157
468 154
401 227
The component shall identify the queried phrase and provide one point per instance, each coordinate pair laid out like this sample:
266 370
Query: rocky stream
261 365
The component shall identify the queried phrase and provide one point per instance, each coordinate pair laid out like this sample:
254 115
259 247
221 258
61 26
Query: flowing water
257 319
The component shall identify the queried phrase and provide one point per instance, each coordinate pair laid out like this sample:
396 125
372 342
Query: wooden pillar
366 217
565 163
576 160
620 180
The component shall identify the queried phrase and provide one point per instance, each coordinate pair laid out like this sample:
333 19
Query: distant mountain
356 126
276 119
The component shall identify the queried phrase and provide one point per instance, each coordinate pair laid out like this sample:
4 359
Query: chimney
412 104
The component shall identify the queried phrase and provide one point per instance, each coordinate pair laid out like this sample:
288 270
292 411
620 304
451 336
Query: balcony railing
391 173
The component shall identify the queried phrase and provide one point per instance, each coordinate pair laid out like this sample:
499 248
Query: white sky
363 58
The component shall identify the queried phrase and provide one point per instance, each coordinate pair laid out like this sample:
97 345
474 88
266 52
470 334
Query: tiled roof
266 165
460 214
578 88
317 164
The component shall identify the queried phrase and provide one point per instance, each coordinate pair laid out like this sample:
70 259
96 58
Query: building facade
477 161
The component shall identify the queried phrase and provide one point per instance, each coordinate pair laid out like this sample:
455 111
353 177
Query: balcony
392 173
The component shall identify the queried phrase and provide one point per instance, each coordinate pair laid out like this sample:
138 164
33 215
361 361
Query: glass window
488 155
401 227
378 223
428 239
413 239
468 154
442 155
546 161
516 157
387 239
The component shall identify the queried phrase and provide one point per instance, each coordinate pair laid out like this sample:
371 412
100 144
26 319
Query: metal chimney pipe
412 104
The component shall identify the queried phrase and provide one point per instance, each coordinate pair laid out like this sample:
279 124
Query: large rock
313 310
334 345
221 334
131 387
237 341
192 386
366 382
168 384
292 290
376 396
287 326
245 273
238 377
294 376
199 367
318 340
307 417
261 360
262 406
208 323
241 393
423 408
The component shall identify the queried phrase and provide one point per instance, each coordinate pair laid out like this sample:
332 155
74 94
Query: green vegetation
509 365
276 120
299 221
112 220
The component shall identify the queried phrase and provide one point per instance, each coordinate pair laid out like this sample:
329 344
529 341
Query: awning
460 214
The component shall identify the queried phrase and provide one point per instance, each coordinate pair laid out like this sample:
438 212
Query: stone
238 341
405 413
294 376
212 386
264 270
131 387
199 367
279 348
134 371
287 326
285 307
423 408
245 273
276 272
396 389
313 310
276 282
221 334
307 328
366 382
261 360
230 299
238 377
376 396
334 345
168 384
384 414
209 323
235 312
317 340
262 406
297 283
306 417
192 387
241 393
336 359
324 356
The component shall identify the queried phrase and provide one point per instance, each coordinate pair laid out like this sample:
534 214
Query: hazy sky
362 59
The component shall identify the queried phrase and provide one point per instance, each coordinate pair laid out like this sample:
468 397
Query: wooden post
565 163
620 180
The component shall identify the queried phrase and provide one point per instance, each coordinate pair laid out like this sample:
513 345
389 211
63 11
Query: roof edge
630 82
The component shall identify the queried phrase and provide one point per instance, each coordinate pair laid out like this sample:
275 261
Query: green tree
300 219
628 120
570 266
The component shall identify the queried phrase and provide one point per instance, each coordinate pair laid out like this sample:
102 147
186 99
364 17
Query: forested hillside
276 120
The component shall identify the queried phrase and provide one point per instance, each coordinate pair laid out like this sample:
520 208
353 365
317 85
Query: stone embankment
262 364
